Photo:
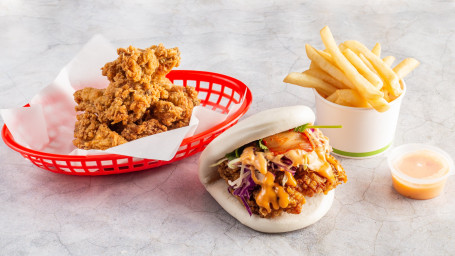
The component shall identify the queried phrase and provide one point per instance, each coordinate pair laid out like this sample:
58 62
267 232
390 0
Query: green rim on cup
362 154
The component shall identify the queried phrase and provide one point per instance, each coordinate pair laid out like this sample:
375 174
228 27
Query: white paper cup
365 132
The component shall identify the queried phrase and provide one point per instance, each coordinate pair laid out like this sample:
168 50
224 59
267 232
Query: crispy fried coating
86 98
296 202
135 131
185 98
138 102
91 134
167 58
131 90
166 112
175 111
125 102
132 64
311 183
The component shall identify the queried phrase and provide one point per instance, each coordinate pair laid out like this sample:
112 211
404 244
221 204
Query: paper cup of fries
365 132
357 88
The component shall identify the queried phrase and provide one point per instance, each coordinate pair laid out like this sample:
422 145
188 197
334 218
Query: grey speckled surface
166 210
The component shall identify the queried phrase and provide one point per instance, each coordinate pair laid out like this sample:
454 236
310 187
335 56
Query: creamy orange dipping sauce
424 166
417 191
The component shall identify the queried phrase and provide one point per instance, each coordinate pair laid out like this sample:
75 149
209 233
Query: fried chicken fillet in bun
272 171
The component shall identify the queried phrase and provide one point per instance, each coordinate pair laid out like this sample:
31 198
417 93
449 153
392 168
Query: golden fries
368 63
333 97
362 68
405 67
369 92
327 66
321 74
391 79
388 60
348 97
350 74
326 55
377 49
306 80
342 47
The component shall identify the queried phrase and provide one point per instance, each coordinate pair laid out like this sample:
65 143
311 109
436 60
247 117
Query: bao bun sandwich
272 171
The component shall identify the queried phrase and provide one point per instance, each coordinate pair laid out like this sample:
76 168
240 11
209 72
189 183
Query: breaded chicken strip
135 131
91 134
175 111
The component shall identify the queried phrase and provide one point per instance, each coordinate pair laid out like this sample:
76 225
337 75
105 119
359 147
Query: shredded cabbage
232 164
244 189
281 167
236 183
219 162
285 179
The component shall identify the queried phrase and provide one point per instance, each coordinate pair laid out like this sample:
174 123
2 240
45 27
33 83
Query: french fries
405 67
333 97
326 55
306 80
321 74
348 97
363 68
391 79
377 49
388 60
368 63
350 74
361 84
327 66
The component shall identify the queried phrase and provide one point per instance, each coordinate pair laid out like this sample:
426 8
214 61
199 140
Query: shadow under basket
216 92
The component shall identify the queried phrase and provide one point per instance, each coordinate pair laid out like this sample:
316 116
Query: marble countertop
166 211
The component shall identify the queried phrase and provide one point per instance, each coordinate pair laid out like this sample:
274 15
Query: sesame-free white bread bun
255 127
313 210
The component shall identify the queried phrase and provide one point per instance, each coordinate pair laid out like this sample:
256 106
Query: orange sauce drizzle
271 193
290 179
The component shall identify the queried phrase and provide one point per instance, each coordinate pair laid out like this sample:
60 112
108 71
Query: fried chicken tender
138 102
132 64
91 134
167 58
131 90
175 111
86 98
135 131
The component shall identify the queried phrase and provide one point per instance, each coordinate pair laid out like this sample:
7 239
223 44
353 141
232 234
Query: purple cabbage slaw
244 190
247 186
285 166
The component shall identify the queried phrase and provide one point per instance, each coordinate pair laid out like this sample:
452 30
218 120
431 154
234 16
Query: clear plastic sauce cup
419 171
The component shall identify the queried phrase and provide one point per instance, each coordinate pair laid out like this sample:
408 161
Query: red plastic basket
216 91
